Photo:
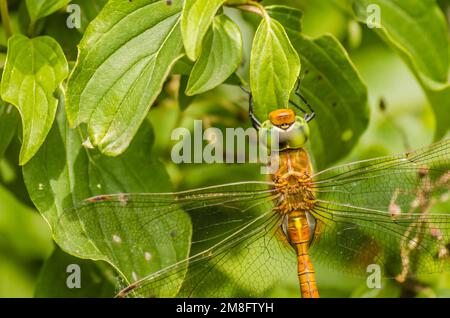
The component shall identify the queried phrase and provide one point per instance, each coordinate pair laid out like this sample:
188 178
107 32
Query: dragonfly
245 237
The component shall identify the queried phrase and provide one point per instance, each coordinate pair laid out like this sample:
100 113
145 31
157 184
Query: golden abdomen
294 184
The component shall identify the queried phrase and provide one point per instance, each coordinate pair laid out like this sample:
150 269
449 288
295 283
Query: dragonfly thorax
293 181
295 189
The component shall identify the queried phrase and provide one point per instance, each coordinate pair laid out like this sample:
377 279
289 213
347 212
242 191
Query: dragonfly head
292 131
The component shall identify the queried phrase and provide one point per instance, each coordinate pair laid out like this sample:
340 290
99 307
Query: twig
5 18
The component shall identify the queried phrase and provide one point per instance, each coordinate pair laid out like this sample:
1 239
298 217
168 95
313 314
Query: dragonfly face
290 131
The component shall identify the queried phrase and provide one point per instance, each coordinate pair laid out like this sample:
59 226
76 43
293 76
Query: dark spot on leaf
173 233
306 72
334 104
319 77
382 104
169 2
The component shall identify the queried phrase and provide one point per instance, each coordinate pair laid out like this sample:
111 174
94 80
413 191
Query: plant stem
31 29
5 18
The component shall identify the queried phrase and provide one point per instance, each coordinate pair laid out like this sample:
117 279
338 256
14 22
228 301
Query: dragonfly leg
255 122
299 108
312 114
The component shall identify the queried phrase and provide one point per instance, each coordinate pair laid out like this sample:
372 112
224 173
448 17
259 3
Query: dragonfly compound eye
284 130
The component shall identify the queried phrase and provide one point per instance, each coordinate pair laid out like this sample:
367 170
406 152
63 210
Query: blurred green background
400 119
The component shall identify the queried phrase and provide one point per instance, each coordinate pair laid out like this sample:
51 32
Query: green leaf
342 113
221 56
67 38
38 9
274 67
89 9
65 172
34 70
125 56
183 66
16 27
235 79
184 100
196 18
338 95
290 18
417 30
9 119
95 280
439 100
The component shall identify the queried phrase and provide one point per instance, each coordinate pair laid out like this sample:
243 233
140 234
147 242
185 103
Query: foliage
92 110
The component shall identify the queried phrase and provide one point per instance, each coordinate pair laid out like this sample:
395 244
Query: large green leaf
417 30
89 9
440 102
196 18
274 67
338 95
333 87
221 56
416 27
125 56
9 119
34 70
95 278
38 9
69 38
65 171
290 18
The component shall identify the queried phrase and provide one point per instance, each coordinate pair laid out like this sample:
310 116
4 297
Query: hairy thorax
293 181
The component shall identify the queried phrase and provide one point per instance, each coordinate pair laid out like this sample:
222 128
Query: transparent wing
168 244
246 264
390 211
